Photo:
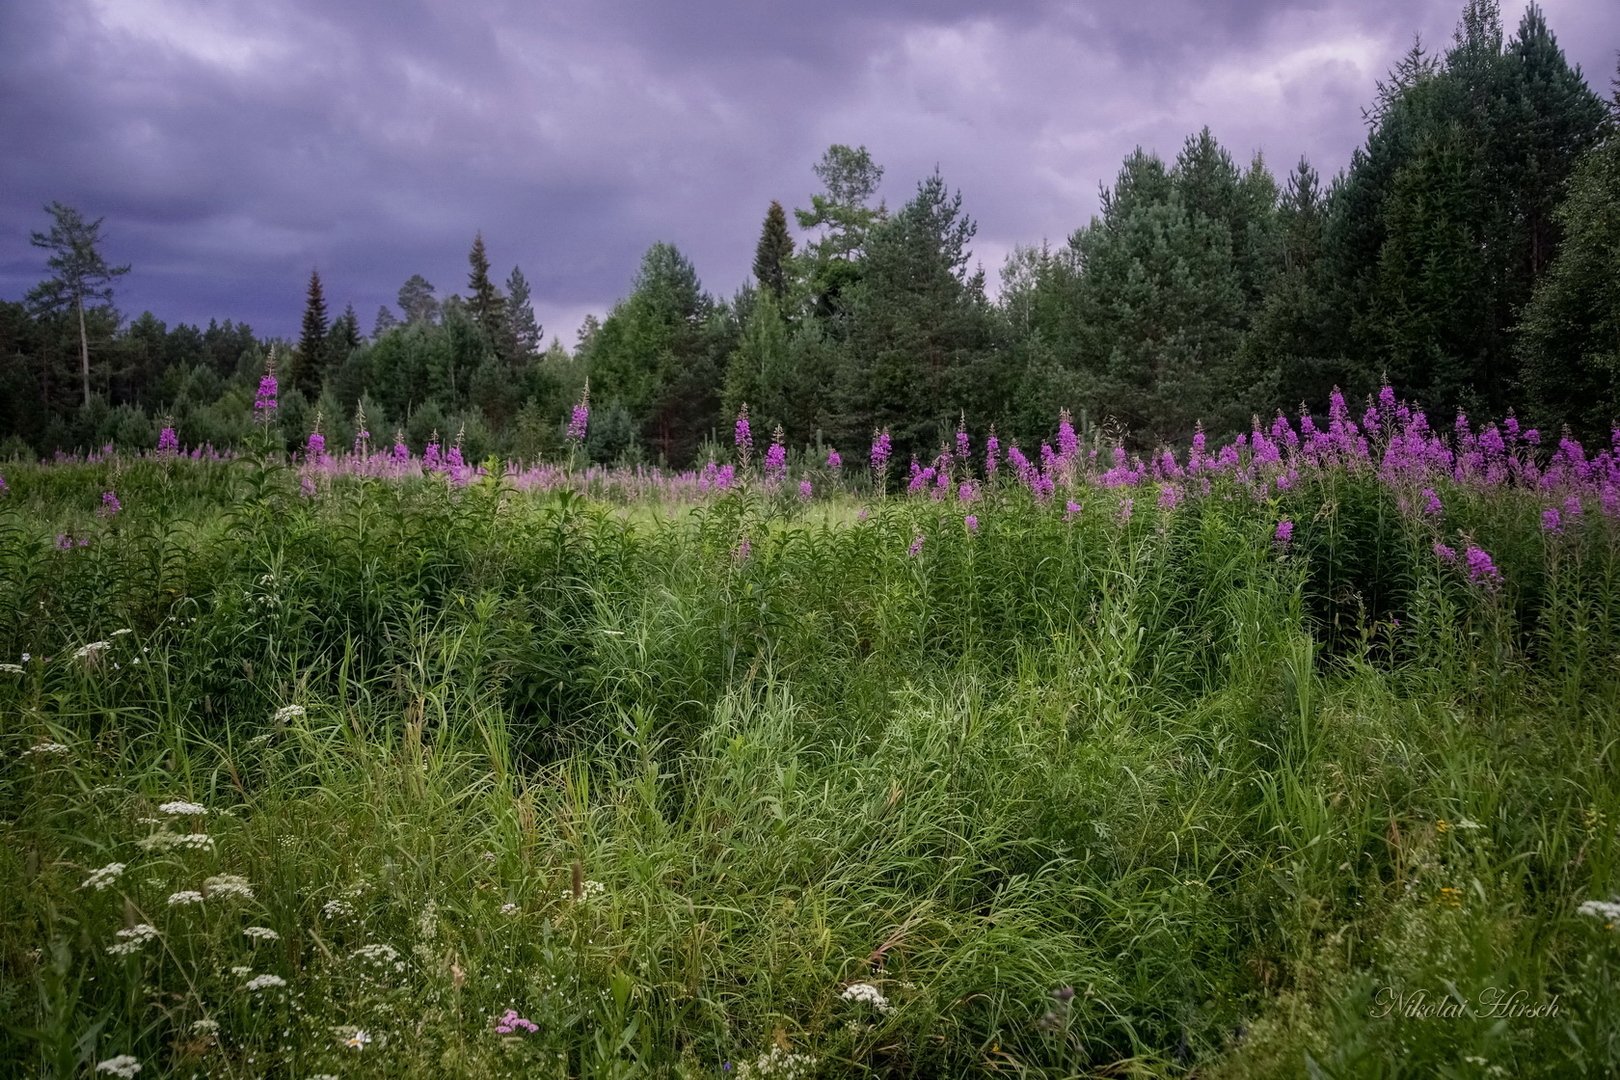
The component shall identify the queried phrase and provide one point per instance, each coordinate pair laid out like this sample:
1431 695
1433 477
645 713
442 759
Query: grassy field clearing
410 779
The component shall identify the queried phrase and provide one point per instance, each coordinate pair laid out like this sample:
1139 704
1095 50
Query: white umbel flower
867 994
1607 910
132 939
123 1066
105 876
288 712
180 808
185 898
228 885
264 982
261 933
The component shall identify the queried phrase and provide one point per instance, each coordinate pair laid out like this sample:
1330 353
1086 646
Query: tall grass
1079 795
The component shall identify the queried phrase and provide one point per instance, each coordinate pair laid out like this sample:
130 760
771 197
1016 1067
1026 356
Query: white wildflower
241 970
778 1063
867 994
205 1027
120 633
356 1039
264 982
1465 823
261 933
376 954
185 897
334 909
228 885
171 841
100 879
1607 910
180 808
11 669
131 940
46 749
509 908
123 1066
91 651
588 891
288 712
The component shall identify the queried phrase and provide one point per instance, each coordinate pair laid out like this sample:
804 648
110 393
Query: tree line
1469 256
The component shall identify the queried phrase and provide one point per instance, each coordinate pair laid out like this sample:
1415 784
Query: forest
1468 257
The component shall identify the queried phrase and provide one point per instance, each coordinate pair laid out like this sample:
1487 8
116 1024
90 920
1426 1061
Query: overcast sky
233 146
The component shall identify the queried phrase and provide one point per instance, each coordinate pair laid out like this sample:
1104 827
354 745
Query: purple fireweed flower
168 442
1386 398
1572 506
804 490
962 444
1431 502
64 541
1071 510
1125 507
743 550
432 461
1042 485
3 488
972 523
1551 520
743 436
307 486
1444 553
916 547
580 418
967 491
316 447
862 514
834 462
992 454
110 504
1169 495
264 402
882 450
1068 441
1532 436
1284 533
776 457
1480 568
402 453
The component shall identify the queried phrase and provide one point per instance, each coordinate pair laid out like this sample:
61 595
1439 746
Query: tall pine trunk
84 353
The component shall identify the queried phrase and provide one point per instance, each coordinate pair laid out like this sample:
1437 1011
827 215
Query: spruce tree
521 334
309 362
772 255
484 303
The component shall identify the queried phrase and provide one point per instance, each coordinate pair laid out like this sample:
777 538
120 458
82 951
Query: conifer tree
772 255
309 362
484 303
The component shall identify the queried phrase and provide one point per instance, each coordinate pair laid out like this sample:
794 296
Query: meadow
1291 758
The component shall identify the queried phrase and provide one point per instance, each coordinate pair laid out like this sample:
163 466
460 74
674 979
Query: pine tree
484 303
772 255
918 347
521 334
1569 338
82 275
309 362
386 320
417 301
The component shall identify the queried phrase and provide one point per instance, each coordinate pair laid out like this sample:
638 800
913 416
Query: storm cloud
233 146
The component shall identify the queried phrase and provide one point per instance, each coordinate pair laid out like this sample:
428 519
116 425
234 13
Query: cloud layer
232 146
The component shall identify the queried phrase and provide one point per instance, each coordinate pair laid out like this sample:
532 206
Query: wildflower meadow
1294 756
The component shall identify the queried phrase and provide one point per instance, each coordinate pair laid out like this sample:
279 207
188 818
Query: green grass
581 761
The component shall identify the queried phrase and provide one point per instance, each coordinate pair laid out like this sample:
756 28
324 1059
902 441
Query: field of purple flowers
1293 756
